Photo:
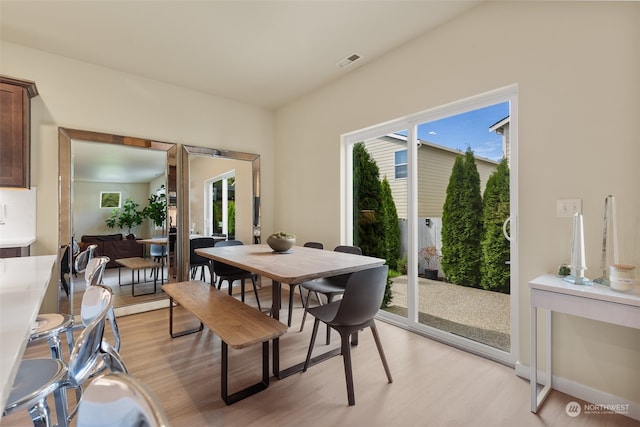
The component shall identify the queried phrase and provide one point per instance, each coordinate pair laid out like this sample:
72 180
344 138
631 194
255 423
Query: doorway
417 163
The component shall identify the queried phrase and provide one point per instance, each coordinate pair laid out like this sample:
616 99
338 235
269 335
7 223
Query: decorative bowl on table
281 242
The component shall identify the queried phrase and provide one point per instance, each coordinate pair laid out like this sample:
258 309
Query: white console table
595 301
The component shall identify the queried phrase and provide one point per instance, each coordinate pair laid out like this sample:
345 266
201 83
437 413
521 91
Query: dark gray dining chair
225 272
355 311
292 287
198 261
330 287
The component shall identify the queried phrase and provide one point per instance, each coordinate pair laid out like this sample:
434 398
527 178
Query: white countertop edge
16 243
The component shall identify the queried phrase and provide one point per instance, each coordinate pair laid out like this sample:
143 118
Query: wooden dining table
298 265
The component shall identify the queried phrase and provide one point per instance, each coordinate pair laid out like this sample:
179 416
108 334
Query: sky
468 129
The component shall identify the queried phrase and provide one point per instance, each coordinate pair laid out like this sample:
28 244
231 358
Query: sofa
114 246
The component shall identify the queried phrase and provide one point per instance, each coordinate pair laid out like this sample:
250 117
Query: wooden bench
137 263
237 324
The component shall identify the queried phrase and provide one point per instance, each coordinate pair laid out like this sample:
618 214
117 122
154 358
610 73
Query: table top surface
23 283
154 241
219 312
552 283
136 263
296 266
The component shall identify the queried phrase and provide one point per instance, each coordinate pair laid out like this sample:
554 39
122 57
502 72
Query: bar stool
38 378
50 326
117 399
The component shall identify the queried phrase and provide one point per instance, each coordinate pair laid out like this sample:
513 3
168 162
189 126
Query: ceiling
264 53
97 162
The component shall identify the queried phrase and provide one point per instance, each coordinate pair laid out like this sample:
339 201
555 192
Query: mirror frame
65 166
183 223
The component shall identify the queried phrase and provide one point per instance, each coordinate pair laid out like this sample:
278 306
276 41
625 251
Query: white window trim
410 124
208 198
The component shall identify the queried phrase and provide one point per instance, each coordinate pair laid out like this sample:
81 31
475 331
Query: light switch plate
568 207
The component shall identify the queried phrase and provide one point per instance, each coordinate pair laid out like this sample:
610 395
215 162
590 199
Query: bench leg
155 277
179 334
248 391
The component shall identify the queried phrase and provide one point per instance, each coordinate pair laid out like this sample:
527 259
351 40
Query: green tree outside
496 249
371 222
462 223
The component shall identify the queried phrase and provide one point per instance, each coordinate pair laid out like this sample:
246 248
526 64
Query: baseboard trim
582 391
142 307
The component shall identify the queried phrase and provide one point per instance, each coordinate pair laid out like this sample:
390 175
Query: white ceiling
263 53
97 162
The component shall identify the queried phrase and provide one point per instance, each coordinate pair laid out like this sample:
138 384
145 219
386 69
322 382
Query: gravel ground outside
476 314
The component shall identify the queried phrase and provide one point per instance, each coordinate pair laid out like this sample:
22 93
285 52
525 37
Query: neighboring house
435 163
501 127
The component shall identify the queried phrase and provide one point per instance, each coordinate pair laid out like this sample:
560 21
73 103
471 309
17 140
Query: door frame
409 124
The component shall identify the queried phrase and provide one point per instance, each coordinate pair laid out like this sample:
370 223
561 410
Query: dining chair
36 379
65 268
330 287
197 261
225 272
50 326
356 310
158 253
83 258
292 287
119 400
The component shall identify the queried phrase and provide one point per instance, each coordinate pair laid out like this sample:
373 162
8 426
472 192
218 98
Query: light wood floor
434 384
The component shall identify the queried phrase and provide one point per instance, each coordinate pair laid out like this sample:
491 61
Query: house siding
434 169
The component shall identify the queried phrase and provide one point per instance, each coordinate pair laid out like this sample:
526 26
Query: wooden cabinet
14 252
15 141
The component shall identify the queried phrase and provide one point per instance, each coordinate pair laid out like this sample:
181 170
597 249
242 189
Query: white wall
577 66
79 95
89 218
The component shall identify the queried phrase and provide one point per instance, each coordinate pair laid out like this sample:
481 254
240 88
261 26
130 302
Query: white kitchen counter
23 283
21 242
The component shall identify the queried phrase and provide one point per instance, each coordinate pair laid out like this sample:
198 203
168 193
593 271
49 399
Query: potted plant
430 255
156 210
127 216
281 241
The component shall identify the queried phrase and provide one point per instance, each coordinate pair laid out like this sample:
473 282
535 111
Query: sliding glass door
449 176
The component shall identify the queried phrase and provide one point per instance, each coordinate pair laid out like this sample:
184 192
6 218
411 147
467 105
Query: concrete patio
479 315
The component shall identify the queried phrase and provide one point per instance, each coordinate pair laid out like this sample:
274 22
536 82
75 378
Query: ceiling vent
345 62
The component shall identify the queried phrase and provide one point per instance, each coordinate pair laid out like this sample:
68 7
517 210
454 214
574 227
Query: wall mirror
221 198
93 164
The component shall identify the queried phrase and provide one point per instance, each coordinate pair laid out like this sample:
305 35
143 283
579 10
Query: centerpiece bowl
281 242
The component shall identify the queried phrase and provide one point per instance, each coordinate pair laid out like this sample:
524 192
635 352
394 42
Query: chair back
198 243
229 243
342 279
222 269
84 257
65 266
362 297
85 357
95 270
158 250
315 245
348 249
117 399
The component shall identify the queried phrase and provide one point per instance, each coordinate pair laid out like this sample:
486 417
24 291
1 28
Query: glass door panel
463 201
380 167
